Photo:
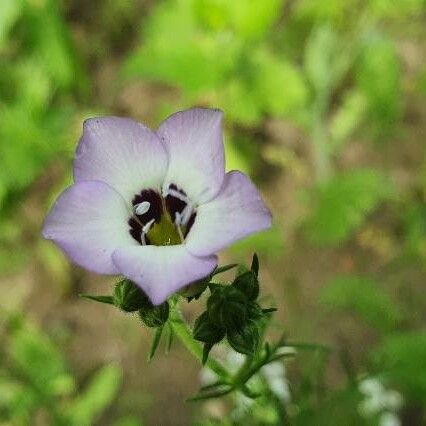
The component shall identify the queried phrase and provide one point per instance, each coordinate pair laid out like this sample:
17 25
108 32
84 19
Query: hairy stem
183 332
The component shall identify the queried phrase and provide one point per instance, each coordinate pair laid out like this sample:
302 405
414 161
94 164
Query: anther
142 208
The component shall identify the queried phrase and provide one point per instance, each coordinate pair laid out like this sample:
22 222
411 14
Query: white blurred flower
389 419
379 400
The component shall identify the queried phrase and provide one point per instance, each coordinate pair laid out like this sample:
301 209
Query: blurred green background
324 107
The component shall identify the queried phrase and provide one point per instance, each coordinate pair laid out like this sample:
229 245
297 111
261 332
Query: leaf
364 297
155 342
202 396
185 57
10 12
347 119
327 59
251 21
278 86
379 78
97 396
224 268
339 206
102 299
39 361
255 265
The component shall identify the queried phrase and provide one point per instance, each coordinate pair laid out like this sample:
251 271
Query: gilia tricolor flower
154 206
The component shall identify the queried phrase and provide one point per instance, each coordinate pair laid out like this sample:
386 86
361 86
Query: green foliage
402 358
37 74
378 76
38 378
96 397
365 298
341 205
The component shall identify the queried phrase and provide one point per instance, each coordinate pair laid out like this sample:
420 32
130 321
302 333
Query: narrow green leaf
224 268
255 264
213 385
269 310
155 342
102 299
210 395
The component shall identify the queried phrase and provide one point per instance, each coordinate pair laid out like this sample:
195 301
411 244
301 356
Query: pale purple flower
154 206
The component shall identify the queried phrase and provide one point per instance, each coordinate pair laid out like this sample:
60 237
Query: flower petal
88 222
121 152
161 270
236 212
193 139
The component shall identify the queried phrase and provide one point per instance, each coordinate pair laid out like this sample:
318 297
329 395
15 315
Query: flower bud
155 316
254 311
246 339
129 297
207 332
248 284
227 307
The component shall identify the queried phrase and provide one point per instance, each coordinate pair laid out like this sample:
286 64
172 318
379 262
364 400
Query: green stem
183 332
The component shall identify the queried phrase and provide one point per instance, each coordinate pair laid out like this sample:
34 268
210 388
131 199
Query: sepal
154 316
227 307
245 340
206 331
129 297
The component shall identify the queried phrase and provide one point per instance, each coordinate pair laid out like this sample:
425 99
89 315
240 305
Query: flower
154 206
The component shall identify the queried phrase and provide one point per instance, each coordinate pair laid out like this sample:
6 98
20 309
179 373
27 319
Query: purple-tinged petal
236 212
161 270
122 153
88 222
193 139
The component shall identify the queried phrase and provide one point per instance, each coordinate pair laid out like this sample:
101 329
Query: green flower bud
227 307
207 332
248 284
155 316
129 297
245 340
254 311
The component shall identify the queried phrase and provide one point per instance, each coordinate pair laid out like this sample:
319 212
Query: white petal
193 139
121 152
88 222
161 270
236 212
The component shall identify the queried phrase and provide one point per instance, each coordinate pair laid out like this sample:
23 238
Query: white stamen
186 214
145 230
177 195
142 207
147 227
178 219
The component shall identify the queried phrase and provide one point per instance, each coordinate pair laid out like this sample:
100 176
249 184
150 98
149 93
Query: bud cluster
233 312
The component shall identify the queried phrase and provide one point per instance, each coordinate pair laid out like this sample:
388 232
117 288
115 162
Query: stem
183 332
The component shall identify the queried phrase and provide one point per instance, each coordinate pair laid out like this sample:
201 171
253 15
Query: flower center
161 220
